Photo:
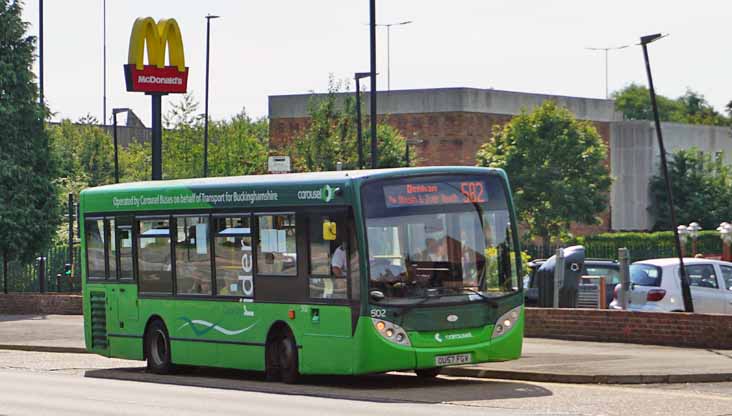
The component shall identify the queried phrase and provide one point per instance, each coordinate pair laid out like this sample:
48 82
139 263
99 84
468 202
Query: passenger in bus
339 262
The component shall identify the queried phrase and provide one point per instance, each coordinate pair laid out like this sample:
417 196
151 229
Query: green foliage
634 102
556 167
28 207
702 188
332 137
646 245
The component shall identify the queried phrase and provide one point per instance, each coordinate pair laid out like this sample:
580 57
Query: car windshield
440 236
645 275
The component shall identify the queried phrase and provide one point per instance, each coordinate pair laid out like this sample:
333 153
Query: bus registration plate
452 359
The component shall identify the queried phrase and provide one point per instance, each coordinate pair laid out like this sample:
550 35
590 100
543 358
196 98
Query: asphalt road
34 383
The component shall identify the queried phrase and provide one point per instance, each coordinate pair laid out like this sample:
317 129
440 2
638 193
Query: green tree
28 207
331 136
701 185
556 166
84 153
635 103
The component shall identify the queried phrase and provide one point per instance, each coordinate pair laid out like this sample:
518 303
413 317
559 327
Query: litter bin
574 258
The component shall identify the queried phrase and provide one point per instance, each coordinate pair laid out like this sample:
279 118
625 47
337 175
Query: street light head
212 16
644 40
120 110
360 75
405 22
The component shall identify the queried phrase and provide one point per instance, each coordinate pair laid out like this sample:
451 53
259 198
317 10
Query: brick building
451 123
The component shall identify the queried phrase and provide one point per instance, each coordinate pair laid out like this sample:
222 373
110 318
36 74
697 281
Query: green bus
347 272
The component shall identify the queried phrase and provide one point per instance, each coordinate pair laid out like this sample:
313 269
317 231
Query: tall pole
157 137
104 65
607 92
116 159
359 134
205 120
606 52
372 24
388 57
40 55
685 289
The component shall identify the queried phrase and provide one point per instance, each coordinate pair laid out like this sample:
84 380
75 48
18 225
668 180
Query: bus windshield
440 236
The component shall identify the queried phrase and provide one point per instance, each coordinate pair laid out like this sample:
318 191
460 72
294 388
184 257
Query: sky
273 47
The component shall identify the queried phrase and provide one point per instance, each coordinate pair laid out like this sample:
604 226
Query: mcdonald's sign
156 77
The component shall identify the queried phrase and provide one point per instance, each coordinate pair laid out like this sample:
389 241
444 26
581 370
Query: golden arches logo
157 38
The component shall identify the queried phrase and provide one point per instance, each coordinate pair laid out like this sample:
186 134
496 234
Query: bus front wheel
282 358
157 348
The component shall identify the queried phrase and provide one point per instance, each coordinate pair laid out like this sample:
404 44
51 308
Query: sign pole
157 137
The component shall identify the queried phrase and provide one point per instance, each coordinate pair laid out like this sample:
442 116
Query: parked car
592 267
656 286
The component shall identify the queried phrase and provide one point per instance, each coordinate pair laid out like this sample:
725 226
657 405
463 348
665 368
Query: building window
234 256
276 246
153 259
192 258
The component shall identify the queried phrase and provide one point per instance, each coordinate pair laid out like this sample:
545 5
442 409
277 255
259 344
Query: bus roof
252 190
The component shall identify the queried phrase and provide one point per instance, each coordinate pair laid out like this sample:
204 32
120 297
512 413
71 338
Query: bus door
329 320
122 247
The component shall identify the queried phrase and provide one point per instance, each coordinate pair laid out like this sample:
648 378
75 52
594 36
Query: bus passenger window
112 250
192 260
124 247
234 257
328 260
153 260
94 235
276 248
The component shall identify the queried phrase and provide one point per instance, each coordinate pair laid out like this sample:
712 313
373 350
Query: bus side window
95 236
192 259
328 259
276 248
233 256
153 258
111 248
123 243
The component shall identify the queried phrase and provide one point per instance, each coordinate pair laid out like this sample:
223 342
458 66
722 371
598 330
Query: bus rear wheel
157 348
427 372
282 359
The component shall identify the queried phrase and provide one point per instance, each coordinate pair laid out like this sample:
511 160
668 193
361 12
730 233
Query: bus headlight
391 332
506 322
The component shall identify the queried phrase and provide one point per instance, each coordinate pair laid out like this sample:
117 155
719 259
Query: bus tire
282 358
427 372
157 348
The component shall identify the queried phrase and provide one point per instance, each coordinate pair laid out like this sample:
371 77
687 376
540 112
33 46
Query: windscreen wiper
408 308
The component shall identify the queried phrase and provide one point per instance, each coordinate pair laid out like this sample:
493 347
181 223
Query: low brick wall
672 329
40 304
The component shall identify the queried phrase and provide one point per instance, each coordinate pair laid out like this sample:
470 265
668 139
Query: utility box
279 164
574 259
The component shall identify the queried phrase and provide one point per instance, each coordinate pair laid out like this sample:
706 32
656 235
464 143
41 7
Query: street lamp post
725 233
205 119
685 289
359 138
693 230
116 111
606 50
388 48
372 70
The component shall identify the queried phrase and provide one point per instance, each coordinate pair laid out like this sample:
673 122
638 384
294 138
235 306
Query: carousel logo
326 194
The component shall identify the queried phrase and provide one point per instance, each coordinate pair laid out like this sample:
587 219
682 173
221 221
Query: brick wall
672 329
40 304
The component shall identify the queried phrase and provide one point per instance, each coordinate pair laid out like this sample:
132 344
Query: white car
656 286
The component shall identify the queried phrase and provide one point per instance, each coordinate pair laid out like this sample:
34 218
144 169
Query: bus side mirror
329 231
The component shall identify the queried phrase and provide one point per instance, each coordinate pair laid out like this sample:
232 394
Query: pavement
544 360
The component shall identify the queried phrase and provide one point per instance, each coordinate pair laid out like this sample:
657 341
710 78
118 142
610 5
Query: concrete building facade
452 123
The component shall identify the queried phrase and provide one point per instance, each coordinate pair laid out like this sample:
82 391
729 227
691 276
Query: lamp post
359 138
725 233
685 289
205 119
606 50
372 70
116 111
410 142
683 232
388 48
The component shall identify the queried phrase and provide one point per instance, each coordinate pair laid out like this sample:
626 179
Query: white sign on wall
278 164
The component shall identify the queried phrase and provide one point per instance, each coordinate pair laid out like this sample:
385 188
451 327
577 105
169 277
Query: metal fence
24 277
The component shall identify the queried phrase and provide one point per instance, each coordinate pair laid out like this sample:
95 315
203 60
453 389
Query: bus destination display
436 193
